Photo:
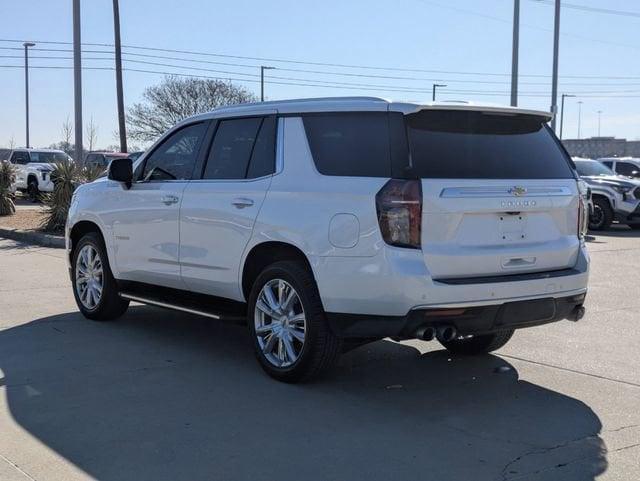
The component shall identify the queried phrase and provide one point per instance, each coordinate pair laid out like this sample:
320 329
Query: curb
31 237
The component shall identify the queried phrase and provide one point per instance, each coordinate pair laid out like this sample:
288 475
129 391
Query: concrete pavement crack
575 371
17 468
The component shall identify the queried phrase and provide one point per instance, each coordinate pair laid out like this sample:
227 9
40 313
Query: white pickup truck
33 169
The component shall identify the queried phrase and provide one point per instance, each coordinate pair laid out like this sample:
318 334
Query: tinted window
20 157
232 148
592 168
263 158
626 168
48 157
608 163
350 144
4 154
175 157
458 144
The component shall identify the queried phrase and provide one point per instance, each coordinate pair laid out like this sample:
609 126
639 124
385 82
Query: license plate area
511 227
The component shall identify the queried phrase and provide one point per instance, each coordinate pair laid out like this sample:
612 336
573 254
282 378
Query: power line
585 8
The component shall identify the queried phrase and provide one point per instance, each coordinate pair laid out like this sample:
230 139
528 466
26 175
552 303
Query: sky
465 44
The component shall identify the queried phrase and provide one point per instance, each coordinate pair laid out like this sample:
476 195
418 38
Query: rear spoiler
465 106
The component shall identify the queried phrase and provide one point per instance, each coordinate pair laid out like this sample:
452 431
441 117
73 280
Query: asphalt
161 396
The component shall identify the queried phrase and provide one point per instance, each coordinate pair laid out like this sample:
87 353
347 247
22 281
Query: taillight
399 207
583 208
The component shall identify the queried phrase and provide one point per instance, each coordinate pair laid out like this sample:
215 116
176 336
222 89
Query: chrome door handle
170 199
242 202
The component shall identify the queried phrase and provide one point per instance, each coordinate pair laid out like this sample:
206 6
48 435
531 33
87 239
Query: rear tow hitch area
577 314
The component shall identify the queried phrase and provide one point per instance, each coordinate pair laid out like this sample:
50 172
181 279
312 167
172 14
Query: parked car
102 158
615 197
325 223
33 169
627 166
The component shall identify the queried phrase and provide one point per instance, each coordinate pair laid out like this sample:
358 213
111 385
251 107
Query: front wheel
291 336
602 215
94 286
482 344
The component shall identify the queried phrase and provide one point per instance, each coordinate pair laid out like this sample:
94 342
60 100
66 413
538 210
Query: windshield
49 157
592 168
478 145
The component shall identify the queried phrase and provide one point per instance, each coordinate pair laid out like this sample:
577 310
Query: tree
176 98
12 143
67 136
91 133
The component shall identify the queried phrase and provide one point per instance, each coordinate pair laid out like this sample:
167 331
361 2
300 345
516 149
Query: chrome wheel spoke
89 277
279 329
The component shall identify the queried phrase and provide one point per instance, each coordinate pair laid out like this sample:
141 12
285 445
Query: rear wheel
474 345
94 286
602 215
634 226
291 336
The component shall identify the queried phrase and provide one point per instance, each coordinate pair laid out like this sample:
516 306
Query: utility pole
26 85
77 81
433 95
120 96
514 53
599 118
262 69
579 116
564 96
554 83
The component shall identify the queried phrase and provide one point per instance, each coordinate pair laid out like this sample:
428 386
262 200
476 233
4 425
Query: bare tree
176 98
12 143
67 131
91 133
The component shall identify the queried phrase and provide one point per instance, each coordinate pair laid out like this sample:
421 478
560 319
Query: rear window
463 145
354 144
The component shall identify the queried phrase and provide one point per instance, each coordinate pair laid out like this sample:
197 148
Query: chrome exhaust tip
426 333
446 333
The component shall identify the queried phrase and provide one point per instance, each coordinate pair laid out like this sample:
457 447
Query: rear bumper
468 320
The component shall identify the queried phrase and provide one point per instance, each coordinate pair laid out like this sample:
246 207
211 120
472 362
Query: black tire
321 346
602 215
472 346
634 226
110 305
32 190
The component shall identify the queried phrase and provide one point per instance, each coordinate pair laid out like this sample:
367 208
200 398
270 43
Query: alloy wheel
280 323
89 277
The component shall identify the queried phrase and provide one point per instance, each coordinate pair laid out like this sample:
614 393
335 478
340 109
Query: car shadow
616 230
160 395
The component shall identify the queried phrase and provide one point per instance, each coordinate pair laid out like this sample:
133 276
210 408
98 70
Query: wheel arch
80 229
265 253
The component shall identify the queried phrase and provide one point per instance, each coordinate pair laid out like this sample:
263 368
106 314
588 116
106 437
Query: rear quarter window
462 145
353 144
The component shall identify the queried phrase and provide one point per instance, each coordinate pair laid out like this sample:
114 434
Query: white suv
33 169
326 223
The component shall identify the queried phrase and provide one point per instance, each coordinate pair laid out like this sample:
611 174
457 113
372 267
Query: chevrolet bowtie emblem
517 191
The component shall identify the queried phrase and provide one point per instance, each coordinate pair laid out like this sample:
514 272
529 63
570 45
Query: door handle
242 202
170 199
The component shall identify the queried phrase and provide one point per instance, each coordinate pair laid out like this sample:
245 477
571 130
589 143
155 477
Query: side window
350 144
626 168
175 157
20 158
263 158
608 163
232 148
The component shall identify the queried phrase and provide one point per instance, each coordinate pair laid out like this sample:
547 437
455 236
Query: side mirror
635 173
121 170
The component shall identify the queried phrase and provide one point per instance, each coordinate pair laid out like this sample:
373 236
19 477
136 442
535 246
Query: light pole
120 96
579 116
77 82
599 118
514 53
564 96
26 84
262 69
433 95
554 82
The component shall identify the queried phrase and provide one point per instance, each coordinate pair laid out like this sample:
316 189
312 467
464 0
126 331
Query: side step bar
175 307
185 301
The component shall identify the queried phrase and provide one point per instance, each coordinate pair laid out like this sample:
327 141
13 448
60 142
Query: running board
185 301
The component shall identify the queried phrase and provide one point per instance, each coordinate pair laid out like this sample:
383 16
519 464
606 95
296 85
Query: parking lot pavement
25 204
160 395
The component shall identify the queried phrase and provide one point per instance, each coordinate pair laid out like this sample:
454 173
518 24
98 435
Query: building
596 147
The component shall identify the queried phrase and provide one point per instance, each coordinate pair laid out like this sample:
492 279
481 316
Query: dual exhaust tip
442 333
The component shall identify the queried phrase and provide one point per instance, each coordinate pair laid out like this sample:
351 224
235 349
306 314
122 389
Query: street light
26 84
599 117
514 53
433 96
554 78
579 116
262 69
564 96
